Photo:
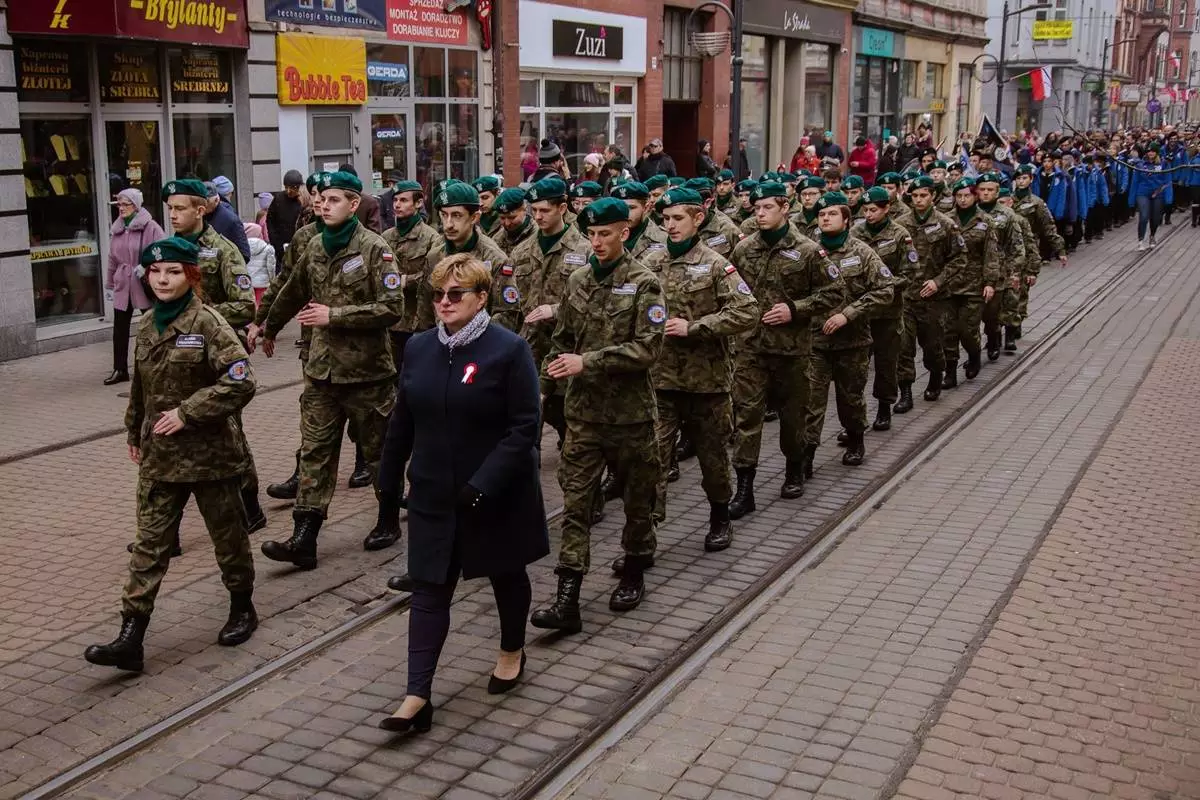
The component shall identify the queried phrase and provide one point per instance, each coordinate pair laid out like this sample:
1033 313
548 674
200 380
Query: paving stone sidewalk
312 729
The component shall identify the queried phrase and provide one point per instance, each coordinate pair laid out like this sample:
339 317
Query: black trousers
399 339
429 622
121 324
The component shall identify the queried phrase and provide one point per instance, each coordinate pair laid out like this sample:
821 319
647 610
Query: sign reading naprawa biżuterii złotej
586 40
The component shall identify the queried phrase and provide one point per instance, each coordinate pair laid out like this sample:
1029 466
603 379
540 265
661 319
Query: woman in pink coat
134 231
863 159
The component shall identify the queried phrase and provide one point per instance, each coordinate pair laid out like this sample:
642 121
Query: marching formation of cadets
669 318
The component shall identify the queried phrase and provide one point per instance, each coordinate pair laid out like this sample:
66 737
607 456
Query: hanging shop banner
363 14
1049 29
321 70
425 21
211 22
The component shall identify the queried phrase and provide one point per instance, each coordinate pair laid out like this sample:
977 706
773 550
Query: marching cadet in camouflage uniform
348 289
515 223
1034 209
541 266
744 213
805 219
945 194
609 334
940 252
853 187
890 181
707 303
1002 308
656 185
894 246
718 232
583 194
645 238
726 199
410 240
974 286
488 188
458 210
191 377
793 280
1029 271
841 345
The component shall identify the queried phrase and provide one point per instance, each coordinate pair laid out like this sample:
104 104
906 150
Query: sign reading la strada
585 40
796 20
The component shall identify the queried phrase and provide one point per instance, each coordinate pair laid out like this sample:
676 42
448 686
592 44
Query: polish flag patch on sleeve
730 269
387 256
506 270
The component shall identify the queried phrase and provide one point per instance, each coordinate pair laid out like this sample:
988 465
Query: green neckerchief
1021 194
774 237
129 219
467 247
877 228
677 249
925 218
708 215
854 209
834 241
166 311
487 218
547 242
520 233
334 239
601 271
965 215
810 215
404 225
194 237
636 233
988 207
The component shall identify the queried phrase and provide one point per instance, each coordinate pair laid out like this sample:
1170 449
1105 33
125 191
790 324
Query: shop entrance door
390 148
135 161
332 141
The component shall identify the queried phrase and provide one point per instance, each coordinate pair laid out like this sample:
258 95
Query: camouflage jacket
945 201
809 229
362 288
728 204
508 241
412 262
224 279
617 326
896 250
706 290
1033 257
198 365
649 242
542 280
941 249
981 267
295 249
1033 208
490 225
719 233
504 302
1010 240
870 288
793 271
749 224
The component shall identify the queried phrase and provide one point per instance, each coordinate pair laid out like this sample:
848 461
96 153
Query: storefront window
429 71
129 75
135 162
48 73
462 73
430 143
966 77
818 86
622 95
608 118
908 79
755 106
529 93
387 71
576 94
577 135
933 80
623 133
389 147
876 106
332 141
462 137
204 145
531 137
200 76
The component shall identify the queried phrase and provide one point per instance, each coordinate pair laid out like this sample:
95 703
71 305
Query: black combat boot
810 454
124 652
632 588
618 565
563 613
771 416
905 403
1016 331
362 475
720 530
743 498
993 345
856 450
973 365
842 438
1010 339
934 390
685 449
950 377
242 622
387 527
289 488
793 480
301 549
883 417
256 518
673 470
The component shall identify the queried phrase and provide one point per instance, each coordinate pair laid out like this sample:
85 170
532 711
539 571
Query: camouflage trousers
706 420
924 324
588 447
762 380
964 312
159 507
1002 309
847 370
250 476
886 335
1022 302
325 408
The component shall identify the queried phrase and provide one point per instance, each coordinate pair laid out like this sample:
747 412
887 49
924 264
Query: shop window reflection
204 146
429 71
430 143
462 73
463 139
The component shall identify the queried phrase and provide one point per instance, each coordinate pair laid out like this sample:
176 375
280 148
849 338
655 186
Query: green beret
890 178
787 177
939 164
746 185
988 177
877 195
724 175
605 211
407 186
676 181
812 182
174 249
853 182
912 175
313 180
189 187
701 185
548 188
586 189
457 194
1005 191
510 200
923 182
631 190
1027 169
831 199
769 176
768 189
678 197
801 174
487 183
963 183
656 182
955 166
341 180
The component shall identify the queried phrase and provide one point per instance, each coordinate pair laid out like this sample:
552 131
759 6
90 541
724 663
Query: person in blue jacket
1174 157
1150 191
1098 194
1077 199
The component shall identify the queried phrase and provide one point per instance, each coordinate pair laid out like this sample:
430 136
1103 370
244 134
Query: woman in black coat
467 422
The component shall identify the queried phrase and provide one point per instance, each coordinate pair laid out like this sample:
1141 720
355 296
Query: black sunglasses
455 295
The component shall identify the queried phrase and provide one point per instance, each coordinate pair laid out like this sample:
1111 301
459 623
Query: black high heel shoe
503 685
420 722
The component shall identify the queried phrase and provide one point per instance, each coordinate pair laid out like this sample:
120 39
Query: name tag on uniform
657 246
852 261
1026 205
574 258
791 255
190 340
981 226
717 240
352 264
885 242
208 252
699 269
625 288
934 228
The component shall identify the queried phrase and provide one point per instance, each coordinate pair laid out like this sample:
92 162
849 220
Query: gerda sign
586 40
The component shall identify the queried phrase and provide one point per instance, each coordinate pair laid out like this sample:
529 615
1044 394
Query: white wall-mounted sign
537 40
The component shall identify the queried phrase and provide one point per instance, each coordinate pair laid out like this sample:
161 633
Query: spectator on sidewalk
387 200
863 160
283 212
261 264
705 166
830 150
656 162
224 220
133 232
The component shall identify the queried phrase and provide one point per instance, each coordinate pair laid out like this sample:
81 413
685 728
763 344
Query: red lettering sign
211 22
425 21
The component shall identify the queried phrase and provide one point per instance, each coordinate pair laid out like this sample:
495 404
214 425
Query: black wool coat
474 418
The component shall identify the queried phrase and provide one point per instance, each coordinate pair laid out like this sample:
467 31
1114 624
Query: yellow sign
937 106
1044 29
57 252
321 70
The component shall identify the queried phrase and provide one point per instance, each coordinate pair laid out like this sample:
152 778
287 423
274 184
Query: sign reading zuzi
585 40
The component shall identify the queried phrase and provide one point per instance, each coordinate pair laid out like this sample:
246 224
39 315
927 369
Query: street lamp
1104 75
1000 78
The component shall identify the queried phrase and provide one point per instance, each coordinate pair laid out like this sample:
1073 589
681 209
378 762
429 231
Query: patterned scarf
467 333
